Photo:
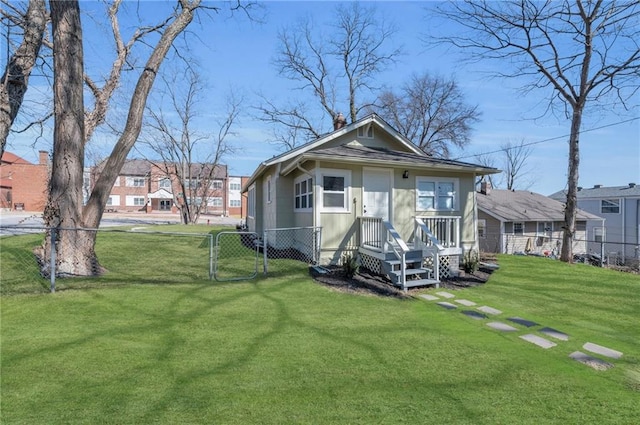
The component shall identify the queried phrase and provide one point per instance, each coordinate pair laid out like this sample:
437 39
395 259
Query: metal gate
235 256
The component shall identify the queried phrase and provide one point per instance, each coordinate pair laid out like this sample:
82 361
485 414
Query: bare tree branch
15 79
579 52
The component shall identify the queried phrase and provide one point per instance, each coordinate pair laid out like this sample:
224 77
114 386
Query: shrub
471 261
350 265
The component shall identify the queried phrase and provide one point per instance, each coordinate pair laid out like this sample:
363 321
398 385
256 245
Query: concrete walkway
600 357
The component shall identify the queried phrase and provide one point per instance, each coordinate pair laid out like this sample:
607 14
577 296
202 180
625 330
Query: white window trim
436 180
482 223
612 200
297 181
332 172
544 233
513 227
251 201
269 197
369 129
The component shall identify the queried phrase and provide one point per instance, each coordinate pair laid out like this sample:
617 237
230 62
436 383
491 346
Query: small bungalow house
511 221
374 194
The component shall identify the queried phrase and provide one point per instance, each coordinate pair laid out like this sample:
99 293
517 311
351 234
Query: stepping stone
447 305
604 351
428 297
555 334
474 314
445 295
592 362
502 327
523 322
466 302
489 310
538 340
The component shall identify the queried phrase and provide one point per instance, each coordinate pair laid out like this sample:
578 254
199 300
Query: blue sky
238 53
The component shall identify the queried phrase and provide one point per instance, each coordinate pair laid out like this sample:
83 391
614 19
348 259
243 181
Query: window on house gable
610 206
303 194
436 194
335 190
366 132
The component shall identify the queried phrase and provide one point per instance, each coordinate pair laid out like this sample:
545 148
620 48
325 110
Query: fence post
265 266
601 253
52 264
210 256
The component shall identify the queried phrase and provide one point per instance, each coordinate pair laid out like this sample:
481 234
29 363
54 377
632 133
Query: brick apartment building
23 185
142 186
145 186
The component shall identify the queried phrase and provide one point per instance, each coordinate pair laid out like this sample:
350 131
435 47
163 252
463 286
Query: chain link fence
142 257
623 256
284 249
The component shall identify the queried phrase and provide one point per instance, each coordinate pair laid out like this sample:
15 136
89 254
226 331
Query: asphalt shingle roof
522 205
630 190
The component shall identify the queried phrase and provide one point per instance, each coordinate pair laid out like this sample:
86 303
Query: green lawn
286 350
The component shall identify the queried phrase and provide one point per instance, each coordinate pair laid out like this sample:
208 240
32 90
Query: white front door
376 197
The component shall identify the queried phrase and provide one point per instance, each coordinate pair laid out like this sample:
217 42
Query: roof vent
632 185
579 188
597 186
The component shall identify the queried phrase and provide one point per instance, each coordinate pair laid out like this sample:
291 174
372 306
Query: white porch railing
379 235
441 230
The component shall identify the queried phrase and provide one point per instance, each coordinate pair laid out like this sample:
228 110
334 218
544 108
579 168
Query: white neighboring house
620 207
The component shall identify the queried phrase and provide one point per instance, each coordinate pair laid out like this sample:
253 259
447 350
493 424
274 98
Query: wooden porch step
418 282
410 272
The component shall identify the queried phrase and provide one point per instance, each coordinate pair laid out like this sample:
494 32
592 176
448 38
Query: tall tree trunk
75 253
16 76
571 207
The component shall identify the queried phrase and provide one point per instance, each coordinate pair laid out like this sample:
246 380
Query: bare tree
515 169
15 80
487 160
580 52
339 69
76 255
431 112
190 159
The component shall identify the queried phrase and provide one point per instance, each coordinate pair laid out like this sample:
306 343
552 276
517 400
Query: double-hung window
335 188
434 194
545 228
518 228
303 194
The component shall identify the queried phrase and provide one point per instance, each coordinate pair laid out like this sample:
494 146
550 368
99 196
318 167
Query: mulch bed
366 283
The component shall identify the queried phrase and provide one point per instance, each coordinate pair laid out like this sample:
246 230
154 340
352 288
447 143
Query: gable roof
522 205
598 191
382 156
413 156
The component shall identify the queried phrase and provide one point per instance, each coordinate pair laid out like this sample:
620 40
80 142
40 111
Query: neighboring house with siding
511 221
620 207
374 194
